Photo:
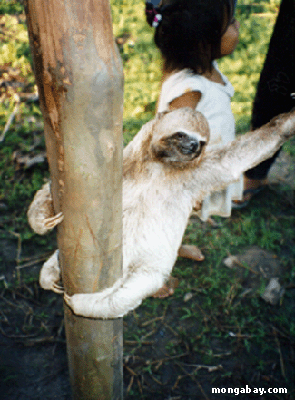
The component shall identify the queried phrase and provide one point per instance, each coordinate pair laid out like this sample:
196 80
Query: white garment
215 105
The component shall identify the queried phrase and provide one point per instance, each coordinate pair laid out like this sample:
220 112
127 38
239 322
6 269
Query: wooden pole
79 75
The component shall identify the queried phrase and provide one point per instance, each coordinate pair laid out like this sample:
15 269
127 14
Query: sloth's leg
50 274
115 302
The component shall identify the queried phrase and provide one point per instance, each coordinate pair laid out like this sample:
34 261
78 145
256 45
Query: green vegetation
218 324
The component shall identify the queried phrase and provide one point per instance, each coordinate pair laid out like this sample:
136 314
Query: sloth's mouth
191 148
194 149
180 152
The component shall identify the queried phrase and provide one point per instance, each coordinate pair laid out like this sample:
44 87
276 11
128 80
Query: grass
208 322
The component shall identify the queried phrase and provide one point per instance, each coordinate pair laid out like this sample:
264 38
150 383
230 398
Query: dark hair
189 33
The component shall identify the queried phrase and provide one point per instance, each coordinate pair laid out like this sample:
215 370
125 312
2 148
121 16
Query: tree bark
79 75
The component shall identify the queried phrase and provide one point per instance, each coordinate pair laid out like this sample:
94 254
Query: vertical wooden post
80 80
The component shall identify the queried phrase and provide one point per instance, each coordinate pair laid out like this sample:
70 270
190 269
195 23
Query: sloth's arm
114 302
221 167
125 295
41 212
50 274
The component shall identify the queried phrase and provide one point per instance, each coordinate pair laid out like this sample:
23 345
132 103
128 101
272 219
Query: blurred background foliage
142 60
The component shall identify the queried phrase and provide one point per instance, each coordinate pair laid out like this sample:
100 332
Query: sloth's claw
51 222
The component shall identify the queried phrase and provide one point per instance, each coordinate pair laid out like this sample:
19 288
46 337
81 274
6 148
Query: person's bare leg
251 187
190 251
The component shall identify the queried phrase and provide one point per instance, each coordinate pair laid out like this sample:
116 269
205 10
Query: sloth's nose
190 146
194 146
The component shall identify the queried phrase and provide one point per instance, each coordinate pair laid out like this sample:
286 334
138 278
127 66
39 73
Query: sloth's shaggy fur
166 169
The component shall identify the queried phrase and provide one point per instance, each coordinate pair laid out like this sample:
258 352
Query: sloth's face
179 136
179 147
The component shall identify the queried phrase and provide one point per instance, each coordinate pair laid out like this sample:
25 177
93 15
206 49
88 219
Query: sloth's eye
179 135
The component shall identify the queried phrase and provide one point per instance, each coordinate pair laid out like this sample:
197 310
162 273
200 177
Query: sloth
166 170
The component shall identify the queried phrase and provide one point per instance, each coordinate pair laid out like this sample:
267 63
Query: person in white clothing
214 104
192 35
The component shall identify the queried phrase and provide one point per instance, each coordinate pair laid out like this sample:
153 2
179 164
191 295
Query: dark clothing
277 79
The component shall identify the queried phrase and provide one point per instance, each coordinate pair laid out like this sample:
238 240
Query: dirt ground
33 362
34 365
